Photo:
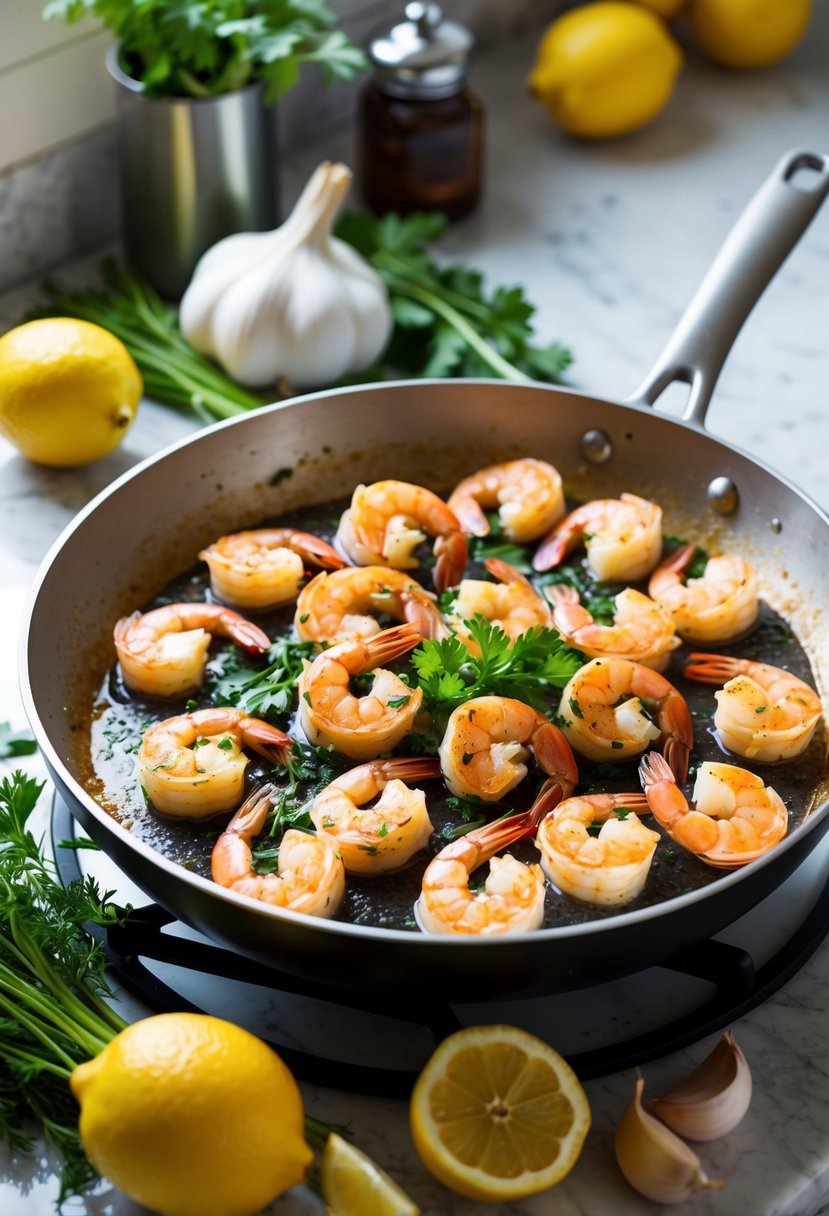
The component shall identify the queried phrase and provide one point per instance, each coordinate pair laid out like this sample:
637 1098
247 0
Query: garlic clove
653 1160
713 1099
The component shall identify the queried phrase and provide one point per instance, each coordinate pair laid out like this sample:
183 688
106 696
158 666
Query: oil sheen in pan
118 720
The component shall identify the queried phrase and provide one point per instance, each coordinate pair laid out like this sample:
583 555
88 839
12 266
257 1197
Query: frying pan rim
621 920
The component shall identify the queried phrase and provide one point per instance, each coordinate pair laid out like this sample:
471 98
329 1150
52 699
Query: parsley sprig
15 742
261 692
526 669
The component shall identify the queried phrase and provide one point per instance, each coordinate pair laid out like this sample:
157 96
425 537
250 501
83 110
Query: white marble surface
609 240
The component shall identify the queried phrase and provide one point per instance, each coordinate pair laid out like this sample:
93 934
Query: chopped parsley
261 692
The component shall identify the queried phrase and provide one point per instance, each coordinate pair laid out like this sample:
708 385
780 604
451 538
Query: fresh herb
455 832
526 668
397 702
15 743
446 324
575 708
262 692
79 842
468 808
201 48
307 769
594 828
697 564
495 545
171 369
225 744
621 812
761 709
616 743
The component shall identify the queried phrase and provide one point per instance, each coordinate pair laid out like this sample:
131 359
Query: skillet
122 549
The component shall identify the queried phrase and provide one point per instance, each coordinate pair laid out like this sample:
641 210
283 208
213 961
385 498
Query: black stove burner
739 987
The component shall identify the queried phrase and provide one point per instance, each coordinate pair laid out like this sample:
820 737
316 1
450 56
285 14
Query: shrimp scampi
528 494
264 567
733 817
763 712
345 604
606 867
389 519
310 875
603 713
487 742
717 607
512 603
642 630
193 765
382 837
511 899
163 652
622 537
361 727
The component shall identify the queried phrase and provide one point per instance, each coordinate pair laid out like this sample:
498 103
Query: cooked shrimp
360 727
389 519
310 876
733 819
266 566
763 712
528 494
641 631
512 898
487 741
719 606
602 715
373 840
622 536
193 765
345 604
606 868
163 652
513 604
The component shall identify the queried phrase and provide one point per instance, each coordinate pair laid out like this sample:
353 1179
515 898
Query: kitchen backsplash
58 175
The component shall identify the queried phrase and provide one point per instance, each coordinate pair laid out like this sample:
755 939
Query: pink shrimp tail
244 633
315 550
494 837
712 668
552 550
410 768
450 552
471 517
267 740
504 572
554 756
654 768
392 643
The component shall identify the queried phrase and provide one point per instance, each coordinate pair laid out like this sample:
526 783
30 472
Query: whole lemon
69 390
748 33
605 69
192 1116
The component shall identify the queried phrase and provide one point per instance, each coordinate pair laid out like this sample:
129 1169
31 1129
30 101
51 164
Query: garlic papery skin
713 1099
295 303
654 1161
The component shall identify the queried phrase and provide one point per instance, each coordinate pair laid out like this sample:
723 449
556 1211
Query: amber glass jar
421 155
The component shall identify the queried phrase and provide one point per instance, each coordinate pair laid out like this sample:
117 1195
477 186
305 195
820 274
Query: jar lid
424 56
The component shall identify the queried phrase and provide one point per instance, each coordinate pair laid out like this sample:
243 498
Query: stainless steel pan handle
758 244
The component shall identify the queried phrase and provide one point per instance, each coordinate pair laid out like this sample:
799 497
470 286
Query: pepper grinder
421 126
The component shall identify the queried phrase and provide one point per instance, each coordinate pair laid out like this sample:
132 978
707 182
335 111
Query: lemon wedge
354 1185
497 1114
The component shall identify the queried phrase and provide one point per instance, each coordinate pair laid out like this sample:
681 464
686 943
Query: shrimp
512 898
373 840
310 876
488 739
513 604
264 567
388 520
609 868
192 766
734 818
163 652
602 715
361 727
642 630
763 712
528 494
342 605
718 607
623 538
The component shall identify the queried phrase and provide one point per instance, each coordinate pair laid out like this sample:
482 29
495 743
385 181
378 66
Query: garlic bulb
294 303
655 1161
713 1099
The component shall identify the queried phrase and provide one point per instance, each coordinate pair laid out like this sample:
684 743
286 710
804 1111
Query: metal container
192 170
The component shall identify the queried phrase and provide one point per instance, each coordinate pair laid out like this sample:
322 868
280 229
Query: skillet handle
758 244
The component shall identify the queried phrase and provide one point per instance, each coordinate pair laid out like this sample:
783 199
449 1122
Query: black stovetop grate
739 986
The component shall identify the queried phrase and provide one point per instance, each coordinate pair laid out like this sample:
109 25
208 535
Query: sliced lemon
354 1185
497 1114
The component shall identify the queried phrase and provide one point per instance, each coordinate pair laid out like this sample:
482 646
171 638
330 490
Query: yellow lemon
605 69
496 1114
192 1116
748 33
354 1185
69 390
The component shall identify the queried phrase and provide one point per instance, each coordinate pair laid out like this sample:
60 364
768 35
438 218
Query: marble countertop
610 241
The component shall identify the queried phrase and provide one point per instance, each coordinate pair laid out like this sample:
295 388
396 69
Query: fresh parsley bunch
200 48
